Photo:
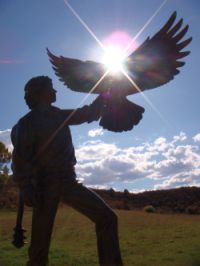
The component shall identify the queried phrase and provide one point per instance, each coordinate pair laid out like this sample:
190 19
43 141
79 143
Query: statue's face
39 91
49 94
52 94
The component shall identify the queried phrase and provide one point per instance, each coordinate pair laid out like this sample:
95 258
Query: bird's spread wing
151 65
156 61
78 75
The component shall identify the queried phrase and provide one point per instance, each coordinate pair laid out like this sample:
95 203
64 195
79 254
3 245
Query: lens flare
114 59
115 52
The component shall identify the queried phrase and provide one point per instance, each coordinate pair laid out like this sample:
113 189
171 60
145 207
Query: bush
3 180
118 204
127 207
193 209
126 194
179 208
111 192
149 208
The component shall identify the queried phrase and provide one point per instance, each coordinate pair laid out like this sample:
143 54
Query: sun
113 58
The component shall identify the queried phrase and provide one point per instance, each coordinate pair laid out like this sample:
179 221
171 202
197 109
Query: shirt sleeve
81 115
22 138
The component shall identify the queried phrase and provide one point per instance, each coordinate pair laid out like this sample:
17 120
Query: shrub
179 208
111 192
126 194
193 209
3 180
149 208
127 207
118 204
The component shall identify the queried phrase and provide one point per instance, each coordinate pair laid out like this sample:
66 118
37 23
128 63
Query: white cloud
169 163
5 138
196 138
159 145
95 150
101 163
184 178
95 132
181 137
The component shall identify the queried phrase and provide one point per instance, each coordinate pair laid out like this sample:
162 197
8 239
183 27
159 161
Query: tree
5 157
111 192
127 195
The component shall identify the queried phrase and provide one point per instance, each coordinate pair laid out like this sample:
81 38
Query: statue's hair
33 89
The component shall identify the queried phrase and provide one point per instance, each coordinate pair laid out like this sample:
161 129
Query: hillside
180 200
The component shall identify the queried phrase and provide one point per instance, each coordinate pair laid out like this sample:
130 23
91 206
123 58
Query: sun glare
114 59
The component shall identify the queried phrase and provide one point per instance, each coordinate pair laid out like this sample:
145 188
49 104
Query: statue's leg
42 225
90 204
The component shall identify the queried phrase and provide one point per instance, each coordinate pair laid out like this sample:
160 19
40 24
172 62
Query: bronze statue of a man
43 167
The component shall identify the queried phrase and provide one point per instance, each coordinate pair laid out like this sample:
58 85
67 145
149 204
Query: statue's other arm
24 171
87 113
22 140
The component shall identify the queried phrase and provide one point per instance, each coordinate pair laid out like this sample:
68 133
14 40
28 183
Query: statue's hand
97 108
30 195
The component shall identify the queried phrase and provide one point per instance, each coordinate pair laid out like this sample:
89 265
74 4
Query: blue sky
155 154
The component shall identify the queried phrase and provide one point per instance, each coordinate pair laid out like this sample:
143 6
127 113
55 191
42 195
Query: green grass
146 239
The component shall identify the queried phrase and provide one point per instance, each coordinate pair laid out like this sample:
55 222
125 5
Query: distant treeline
180 200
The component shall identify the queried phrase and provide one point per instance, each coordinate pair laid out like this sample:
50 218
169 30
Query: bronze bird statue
155 62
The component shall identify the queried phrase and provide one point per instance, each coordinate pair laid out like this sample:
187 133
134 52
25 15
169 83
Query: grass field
146 239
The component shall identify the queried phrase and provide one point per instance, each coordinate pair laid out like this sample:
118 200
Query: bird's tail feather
120 114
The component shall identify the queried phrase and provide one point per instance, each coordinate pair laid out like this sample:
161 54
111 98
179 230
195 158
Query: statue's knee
109 218
113 218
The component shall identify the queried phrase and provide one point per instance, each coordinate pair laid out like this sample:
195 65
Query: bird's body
151 65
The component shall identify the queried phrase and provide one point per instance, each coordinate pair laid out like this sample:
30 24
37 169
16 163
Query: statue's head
39 91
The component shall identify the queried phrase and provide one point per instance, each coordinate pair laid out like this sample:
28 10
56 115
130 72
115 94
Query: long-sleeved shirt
42 142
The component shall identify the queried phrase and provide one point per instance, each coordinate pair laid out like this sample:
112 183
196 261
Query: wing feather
180 35
155 62
76 74
175 28
169 23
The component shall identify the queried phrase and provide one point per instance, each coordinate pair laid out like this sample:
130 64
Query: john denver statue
43 168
